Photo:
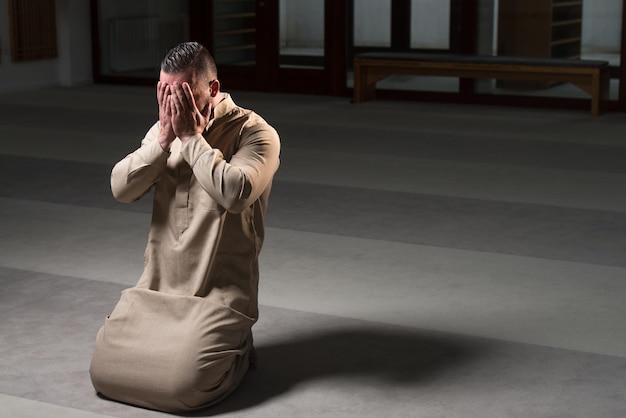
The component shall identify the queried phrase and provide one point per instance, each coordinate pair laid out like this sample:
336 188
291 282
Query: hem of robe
172 353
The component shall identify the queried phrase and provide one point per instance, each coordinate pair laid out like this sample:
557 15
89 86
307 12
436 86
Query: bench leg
599 91
601 103
364 86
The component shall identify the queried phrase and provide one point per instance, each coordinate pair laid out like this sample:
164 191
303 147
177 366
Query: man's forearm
133 176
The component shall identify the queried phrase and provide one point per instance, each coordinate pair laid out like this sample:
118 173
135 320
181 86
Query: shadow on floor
363 355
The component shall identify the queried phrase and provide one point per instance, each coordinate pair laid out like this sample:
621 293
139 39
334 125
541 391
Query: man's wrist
186 138
165 146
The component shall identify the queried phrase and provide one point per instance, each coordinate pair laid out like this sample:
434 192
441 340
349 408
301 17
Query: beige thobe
179 340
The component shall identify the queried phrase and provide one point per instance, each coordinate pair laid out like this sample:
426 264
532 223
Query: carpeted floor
311 364
421 260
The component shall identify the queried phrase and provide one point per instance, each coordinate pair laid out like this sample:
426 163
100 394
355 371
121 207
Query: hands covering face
178 113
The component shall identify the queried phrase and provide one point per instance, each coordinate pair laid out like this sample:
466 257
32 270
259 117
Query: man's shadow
397 357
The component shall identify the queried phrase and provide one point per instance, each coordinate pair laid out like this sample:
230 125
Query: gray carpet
531 230
310 364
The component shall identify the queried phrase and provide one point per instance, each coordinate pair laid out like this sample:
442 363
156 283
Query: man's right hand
166 134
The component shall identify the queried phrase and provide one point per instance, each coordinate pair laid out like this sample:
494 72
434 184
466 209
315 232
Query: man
181 338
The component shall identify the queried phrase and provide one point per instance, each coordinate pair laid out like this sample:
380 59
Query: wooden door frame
621 71
329 80
338 30
267 75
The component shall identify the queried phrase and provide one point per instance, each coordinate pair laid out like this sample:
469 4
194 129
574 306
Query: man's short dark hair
189 55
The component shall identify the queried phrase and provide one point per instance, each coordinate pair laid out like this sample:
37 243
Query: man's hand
187 119
166 134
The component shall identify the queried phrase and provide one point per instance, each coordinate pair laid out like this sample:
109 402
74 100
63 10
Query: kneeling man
181 339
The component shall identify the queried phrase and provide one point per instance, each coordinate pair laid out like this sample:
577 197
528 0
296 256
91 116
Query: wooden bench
589 75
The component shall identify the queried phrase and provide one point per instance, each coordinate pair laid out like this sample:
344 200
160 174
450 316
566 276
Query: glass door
234 36
234 32
309 47
271 45
301 34
134 36
551 29
404 26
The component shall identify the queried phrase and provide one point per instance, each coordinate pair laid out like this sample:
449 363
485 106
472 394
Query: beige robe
179 340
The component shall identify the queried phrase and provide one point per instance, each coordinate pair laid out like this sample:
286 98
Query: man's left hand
187 119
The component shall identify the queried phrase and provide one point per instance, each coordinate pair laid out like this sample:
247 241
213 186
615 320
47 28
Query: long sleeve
133 176
237 183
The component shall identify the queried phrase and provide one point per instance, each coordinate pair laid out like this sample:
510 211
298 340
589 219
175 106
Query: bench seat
592 76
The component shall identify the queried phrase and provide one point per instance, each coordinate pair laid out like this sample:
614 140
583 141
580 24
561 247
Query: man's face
201 91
